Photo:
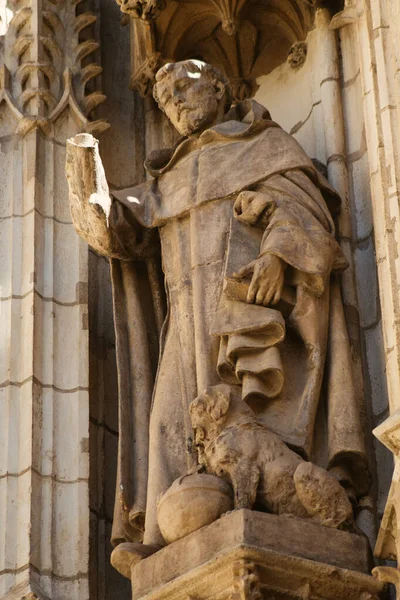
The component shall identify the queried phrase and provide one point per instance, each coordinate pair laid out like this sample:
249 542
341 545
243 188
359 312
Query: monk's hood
246 149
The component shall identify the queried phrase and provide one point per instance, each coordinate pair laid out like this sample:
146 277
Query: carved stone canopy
243 38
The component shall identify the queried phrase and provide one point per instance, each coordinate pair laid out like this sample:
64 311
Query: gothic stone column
44 513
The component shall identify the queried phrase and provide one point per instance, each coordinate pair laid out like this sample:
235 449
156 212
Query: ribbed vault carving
245 38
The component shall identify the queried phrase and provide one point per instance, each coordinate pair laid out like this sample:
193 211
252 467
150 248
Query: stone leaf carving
148 10
260 467
52 71
297 55
246 584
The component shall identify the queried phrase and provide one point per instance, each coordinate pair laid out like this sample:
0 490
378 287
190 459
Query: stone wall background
295 101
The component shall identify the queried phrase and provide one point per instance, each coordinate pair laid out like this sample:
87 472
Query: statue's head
193 95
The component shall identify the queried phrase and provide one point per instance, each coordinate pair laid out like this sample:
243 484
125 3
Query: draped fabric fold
137 299
247 352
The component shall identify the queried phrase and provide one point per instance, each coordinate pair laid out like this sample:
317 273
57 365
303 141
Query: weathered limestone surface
44 441
342 105
252 555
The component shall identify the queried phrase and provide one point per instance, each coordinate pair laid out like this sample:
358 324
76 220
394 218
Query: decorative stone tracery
51 65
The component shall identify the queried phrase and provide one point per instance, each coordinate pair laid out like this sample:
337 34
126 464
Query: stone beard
240 181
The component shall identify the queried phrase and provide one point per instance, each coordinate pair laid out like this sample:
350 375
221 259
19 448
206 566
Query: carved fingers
267 279
253 208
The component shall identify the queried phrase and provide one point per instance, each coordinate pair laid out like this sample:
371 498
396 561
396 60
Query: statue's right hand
85 172
80 165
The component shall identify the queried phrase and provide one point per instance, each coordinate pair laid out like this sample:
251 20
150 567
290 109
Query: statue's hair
195 66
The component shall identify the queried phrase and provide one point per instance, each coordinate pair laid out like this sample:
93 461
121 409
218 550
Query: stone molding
375 27
247 555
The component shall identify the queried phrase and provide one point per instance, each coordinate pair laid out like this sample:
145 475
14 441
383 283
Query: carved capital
148 10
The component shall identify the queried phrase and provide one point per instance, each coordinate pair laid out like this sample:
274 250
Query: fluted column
47 93
375 26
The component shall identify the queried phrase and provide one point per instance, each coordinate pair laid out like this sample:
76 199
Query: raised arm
105 224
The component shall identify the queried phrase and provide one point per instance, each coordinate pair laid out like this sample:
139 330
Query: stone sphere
191 502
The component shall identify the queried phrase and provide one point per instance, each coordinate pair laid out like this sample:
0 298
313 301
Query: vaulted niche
244 38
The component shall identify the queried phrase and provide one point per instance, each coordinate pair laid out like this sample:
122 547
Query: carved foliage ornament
148 10
246 584
297 55
50 65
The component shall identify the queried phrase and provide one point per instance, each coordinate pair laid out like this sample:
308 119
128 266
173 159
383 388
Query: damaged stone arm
105 224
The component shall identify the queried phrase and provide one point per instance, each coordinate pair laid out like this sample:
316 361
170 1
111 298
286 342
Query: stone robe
293 367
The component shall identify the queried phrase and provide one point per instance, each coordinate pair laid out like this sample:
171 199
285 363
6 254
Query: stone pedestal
247 555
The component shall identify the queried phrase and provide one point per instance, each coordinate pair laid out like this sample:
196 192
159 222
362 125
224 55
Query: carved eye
182 85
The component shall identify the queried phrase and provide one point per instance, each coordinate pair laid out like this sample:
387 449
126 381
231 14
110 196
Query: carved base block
247 555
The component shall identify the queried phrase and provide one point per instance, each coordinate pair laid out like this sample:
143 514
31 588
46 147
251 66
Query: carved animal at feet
232 444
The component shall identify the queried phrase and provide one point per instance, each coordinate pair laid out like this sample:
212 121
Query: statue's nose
177 98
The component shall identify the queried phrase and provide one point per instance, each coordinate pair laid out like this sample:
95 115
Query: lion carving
262 470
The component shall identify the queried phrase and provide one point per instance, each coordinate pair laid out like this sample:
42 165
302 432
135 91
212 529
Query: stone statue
244 226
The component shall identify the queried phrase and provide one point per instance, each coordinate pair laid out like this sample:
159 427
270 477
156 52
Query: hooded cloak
293 367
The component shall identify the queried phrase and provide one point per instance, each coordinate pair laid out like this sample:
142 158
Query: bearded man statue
243 225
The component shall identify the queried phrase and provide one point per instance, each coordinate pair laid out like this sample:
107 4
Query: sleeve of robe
299 229
112 230
116 235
